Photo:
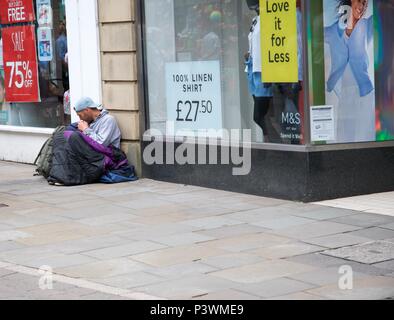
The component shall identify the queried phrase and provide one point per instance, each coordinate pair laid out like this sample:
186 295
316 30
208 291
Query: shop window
49 107
196 53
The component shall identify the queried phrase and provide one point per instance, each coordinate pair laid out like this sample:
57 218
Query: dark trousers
261 107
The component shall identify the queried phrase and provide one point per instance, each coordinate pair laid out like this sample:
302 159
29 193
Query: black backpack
44 158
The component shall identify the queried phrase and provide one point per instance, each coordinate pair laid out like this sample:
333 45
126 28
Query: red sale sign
15 11
20 64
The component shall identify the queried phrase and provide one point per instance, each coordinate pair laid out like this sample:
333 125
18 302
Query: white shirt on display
255 44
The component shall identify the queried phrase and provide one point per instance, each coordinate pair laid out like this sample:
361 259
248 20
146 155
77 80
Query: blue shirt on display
352 52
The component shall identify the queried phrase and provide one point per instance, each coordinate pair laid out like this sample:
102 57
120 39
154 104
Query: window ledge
31 130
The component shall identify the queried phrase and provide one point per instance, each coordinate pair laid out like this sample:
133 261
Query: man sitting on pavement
89 151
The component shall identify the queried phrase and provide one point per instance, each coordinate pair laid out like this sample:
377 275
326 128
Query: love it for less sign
15 11
279 41
20 64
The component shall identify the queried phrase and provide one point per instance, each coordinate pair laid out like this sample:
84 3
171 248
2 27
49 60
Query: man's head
62 27
87 110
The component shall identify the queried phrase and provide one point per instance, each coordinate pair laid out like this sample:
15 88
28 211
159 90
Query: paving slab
262 271
232 231
286 250
387 265
232 260
315 229
103 269
387 226
369 253
182 239
367 269
381 203
275 287
325 276
89 244
181 270
374 233
178 255
130 280
337 240
107 219
282 223
317 259
4 272
364 220
124 250
211 223
135 231
324 213
260 214
187 287
247 242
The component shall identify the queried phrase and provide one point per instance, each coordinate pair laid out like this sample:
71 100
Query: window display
33 45
203 61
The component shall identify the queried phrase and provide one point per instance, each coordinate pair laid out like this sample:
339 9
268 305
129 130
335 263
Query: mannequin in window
262 92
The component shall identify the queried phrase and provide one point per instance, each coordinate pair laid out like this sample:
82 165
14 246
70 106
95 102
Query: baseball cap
85 103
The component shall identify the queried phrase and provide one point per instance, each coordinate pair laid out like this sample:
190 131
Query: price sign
20 64
194 96
16 11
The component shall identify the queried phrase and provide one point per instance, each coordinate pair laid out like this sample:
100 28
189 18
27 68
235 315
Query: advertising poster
16 11
45 47
20 64
44 13
349 68
194 100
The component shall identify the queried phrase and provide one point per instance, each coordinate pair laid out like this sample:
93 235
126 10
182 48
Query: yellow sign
279 41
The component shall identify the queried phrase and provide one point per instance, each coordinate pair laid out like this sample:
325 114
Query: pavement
157 240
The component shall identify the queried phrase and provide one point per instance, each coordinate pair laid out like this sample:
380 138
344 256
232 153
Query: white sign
45 47
194 100
322 123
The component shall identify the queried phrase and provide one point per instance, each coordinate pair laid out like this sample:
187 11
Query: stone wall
119 71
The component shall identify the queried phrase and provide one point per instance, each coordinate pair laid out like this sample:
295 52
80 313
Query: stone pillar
119 71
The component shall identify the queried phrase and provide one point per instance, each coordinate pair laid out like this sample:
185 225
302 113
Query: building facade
299 97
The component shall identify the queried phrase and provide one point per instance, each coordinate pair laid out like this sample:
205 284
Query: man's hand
82 126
